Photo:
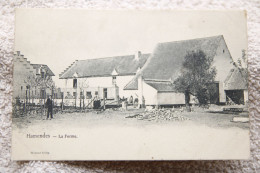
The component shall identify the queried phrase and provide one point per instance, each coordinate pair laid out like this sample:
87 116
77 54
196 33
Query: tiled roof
45 67
161 86
237 79
123 65
166 61
132 85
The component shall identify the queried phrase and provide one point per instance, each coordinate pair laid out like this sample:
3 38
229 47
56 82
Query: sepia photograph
130 85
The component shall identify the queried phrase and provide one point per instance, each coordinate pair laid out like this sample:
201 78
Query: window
74 83
114 80
68 96
74 94
89 95
96 93
42 74
37 71
42 94
81 95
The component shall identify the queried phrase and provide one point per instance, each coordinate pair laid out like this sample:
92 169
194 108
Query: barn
236 86
154 82
150 77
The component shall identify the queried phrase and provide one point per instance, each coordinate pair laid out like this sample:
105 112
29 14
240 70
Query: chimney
18 53
138 55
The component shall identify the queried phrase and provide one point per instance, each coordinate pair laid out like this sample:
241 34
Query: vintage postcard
130 85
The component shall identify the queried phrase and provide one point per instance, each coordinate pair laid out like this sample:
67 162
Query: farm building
102 78
29 79
154 82
150 77
236 86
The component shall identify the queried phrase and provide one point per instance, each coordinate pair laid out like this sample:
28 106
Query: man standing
49 107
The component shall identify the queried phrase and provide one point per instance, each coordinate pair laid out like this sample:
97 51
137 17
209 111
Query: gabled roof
166 61
132 85
237 79
161 86
123 65
45 67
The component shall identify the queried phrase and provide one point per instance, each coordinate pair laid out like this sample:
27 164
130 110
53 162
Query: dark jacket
49 103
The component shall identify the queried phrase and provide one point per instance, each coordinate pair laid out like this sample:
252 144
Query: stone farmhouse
29 78
149 77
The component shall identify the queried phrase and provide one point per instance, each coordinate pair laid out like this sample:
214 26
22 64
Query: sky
59 37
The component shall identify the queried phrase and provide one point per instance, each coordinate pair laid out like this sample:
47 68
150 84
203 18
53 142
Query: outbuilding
165 65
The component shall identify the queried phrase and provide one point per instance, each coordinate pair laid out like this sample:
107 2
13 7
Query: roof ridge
106 57
119 56
38 64
201 38
157 80
159 88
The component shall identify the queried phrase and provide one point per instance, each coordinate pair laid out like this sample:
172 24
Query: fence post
61 102
104 103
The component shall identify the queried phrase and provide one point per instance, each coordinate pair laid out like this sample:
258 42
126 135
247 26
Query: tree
31 84
241 64
43 83
83 84
196 74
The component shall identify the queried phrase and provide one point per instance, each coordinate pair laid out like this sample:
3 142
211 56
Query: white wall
150 95
223 63
91 85
102 82
245 96
153 97
222 94
168 98
90 82
22 69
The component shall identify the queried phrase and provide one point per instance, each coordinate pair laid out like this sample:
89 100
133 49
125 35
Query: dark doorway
213 89
105 93
74 83
236 96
